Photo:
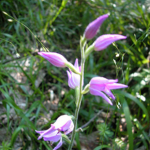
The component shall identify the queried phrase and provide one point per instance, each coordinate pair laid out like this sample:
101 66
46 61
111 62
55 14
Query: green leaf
129 123
15 134
140 104
17 109
102 146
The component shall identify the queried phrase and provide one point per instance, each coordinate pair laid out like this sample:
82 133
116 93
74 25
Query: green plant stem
79 97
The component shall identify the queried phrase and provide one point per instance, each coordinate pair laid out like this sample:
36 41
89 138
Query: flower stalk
89 50
78 101
70 66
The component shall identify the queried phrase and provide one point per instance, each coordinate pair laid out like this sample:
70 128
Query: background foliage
33 93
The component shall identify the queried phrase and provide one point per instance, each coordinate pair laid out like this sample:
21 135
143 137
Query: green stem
89 50
80 96
70 66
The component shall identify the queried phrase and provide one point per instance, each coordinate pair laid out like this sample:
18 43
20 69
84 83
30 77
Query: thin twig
91 120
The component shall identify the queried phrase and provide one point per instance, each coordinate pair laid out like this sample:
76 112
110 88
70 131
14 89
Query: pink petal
55 59
99 87
61 121
98 83
40 132
73 78
92 28
70 128
105 40
98 93
48 133
99 80
66 126
76 64
69 74
71 82
69 78
80 68
116 86
58 145
55 138
112 80
109 93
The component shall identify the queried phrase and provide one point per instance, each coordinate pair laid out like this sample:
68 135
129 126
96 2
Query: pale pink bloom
101 85
105 40
92 28
53 134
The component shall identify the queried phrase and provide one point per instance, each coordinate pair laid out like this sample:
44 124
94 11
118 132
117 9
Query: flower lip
101 94
58 145
105 40
92 28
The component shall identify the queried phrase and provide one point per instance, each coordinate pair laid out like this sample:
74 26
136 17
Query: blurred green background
33 93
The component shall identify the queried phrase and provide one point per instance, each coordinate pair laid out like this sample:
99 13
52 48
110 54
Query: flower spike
92 28
101 85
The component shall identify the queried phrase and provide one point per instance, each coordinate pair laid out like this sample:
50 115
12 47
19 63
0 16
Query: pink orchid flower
53 134
105 40
101 85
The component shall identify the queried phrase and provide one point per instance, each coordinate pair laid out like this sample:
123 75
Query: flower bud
55 59
92 28
105 40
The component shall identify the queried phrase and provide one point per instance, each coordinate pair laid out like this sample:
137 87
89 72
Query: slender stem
80 96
